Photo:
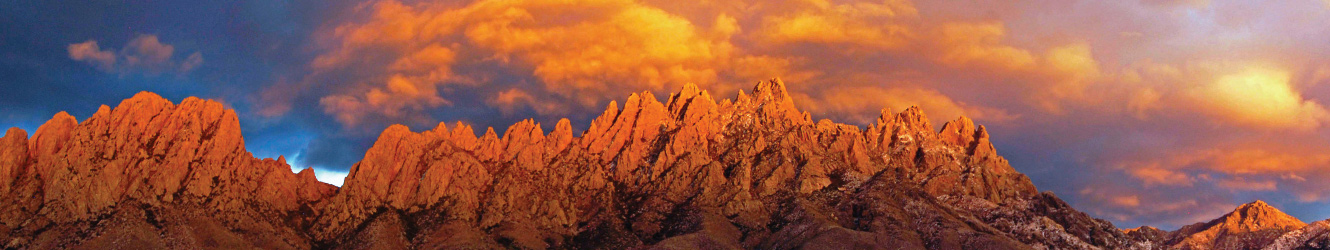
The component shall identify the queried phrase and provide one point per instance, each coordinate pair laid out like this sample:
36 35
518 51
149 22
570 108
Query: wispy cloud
144 54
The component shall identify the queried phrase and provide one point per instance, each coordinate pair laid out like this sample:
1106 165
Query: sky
1142 112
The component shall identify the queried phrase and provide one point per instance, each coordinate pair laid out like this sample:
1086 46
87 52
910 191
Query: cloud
398 98
1259 97
858 24
1186 3
980 44
579 52
1242 167
144 54
512 100
1243 184
1124 204
851 102
1231 93
1160 176
1127 201
89 52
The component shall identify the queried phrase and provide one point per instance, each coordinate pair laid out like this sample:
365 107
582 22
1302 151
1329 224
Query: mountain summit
1257 216
1251 226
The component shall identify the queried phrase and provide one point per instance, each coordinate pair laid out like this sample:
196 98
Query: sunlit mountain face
690 124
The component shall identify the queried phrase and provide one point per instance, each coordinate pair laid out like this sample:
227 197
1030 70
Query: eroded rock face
175 166
686 172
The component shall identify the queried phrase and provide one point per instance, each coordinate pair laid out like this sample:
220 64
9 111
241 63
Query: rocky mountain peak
1258 215
146 155
776 102
1249 226
51 136
773 91
960 132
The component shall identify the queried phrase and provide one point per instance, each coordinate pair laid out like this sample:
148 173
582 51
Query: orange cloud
1142 101
629 45
89 52
1127 201
585 52
850 102
1119 203
1244 167
399 98
980 44
1259 97
146 51
1072 69
580 51
859 23
1255 161
509 101
142 54
1059 75
1237 161
1237 93
1248 185
1187 3
1161 176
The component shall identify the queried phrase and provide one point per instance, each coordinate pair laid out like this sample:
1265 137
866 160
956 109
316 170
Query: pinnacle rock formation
685 172
1253 225
148 173
689 172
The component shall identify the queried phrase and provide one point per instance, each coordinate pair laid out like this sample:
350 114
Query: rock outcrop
688 172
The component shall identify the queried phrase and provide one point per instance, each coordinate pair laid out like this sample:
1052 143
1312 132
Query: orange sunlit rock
149 155
1251 225
686 171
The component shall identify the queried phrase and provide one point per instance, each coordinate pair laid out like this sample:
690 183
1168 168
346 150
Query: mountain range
687 172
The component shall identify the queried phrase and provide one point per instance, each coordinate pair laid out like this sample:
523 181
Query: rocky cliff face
688 172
